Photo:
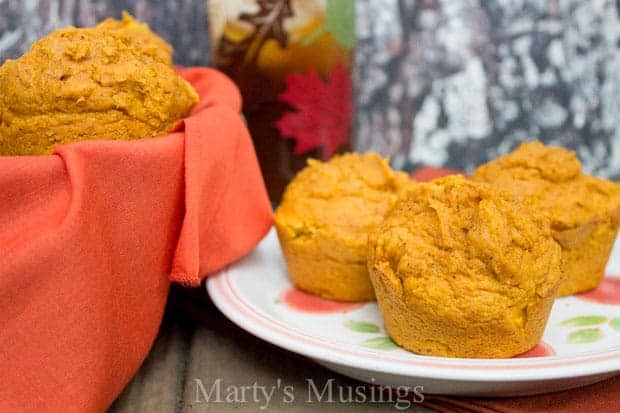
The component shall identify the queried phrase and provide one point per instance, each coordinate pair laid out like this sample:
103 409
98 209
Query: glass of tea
292 62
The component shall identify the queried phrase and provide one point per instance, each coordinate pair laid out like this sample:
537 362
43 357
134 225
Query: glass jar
292 61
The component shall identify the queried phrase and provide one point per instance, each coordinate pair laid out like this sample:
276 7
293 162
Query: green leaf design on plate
584 320
585 335
615 323
340 21
380 343
361 326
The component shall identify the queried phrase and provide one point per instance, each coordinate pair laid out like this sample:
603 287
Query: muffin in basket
583 210
324 219
111 81
461 269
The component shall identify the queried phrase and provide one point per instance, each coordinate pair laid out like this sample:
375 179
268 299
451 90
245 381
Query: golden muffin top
112 81
343 198
140 36
463 244
552 178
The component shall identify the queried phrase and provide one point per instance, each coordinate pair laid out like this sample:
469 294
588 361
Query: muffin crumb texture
112 81
324 219
583 210
461 269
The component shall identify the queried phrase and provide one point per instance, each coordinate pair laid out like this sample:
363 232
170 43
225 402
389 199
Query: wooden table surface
197 348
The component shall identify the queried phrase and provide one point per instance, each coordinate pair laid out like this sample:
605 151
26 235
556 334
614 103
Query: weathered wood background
197 343
442 82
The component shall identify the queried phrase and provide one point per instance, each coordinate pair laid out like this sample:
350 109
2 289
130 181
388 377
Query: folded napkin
602 397
91 237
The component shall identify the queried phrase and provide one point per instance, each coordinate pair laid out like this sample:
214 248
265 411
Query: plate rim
249 317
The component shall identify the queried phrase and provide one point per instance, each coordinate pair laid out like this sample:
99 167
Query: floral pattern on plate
580 344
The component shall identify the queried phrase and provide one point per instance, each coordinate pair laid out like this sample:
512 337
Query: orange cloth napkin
91 237
602 397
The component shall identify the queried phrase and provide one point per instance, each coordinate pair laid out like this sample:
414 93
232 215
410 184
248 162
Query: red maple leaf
324 110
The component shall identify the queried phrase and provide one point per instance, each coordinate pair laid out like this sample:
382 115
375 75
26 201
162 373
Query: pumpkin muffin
324 219
462 269
583 210
113 81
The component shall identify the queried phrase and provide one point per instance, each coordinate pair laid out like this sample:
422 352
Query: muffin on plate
112 81
583 210
462 269
324 219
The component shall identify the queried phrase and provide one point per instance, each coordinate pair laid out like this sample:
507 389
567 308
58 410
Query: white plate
581 343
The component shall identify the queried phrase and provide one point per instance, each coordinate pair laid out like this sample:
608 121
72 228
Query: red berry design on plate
541 349
608 292
308 303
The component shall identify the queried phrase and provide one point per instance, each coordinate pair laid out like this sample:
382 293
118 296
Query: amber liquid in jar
291 60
